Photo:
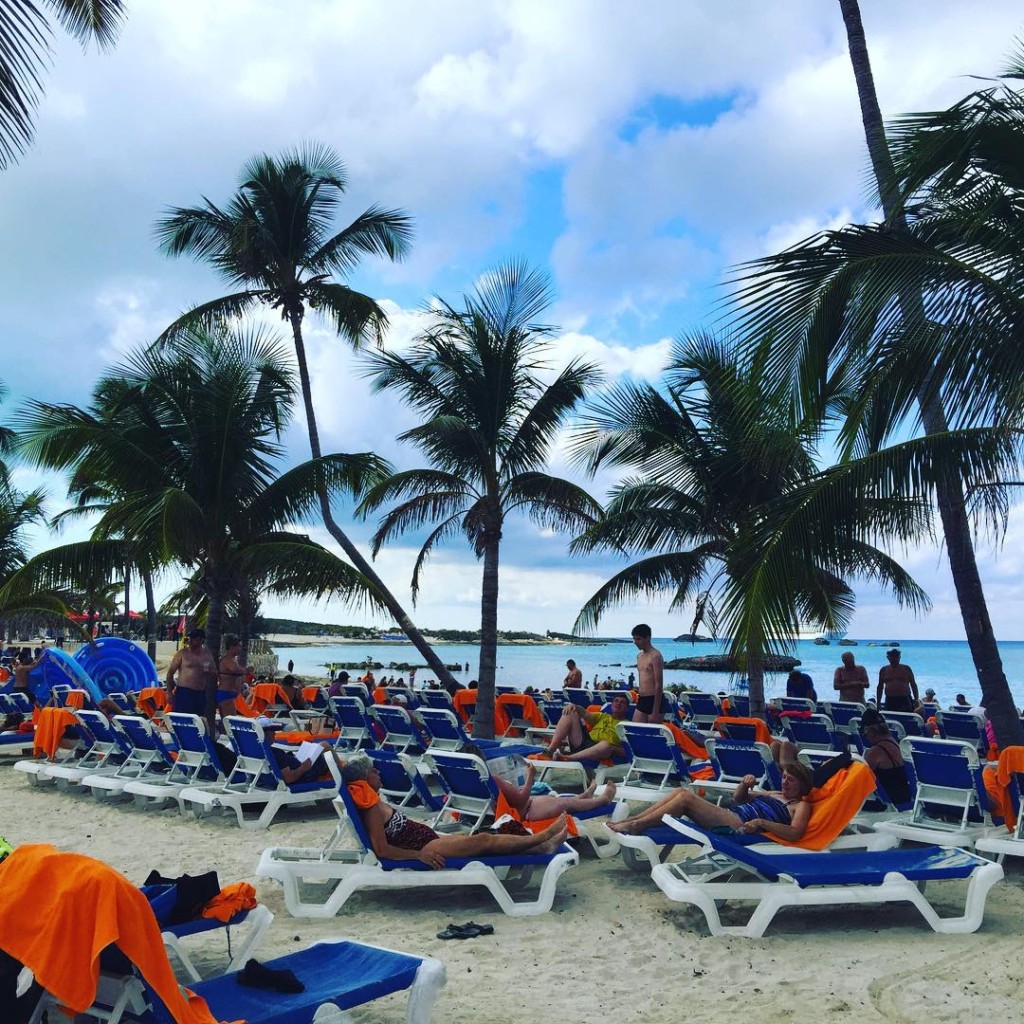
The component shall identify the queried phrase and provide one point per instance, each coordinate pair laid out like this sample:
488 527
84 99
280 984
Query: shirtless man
197 675
650 667
575 676
230 677
851 680
898 684
22 667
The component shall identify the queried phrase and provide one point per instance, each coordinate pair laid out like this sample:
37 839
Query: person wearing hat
897 683
196 672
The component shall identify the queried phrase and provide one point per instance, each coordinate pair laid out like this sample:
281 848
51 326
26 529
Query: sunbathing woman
397 837
784 814
540 808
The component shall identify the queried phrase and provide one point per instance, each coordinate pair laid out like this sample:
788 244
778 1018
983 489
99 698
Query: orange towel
231 901
75 699
687 744
504 807
997 782
305 737
380 695
244 708
50 731
834 806
311 694
530 710
364 796
152 700
265 694
761 732
61 910
464 702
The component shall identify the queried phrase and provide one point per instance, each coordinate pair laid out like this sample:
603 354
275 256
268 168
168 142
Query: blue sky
635 158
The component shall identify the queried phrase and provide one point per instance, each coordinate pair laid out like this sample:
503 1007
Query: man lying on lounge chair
784 814
394 836
588 735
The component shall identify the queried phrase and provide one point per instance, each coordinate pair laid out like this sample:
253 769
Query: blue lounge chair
447 733
701 708
956 725
470 792
796 704
656 764
440 700
578 695
400 732
359 691
783 879
353 724
950 803
733 759
739 705
842 713
256 782
401 780
815 733
338 975
911 724
318 882
104 748
197 764
148 760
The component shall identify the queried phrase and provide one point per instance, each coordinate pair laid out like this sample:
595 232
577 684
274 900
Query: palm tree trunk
214 624
127 601
483 718
755 682
995 691
147 582
406 624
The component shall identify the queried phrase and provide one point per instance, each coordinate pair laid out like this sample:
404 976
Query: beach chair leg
423 996
256 925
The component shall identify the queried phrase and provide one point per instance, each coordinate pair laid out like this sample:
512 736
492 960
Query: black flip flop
481 929
457 931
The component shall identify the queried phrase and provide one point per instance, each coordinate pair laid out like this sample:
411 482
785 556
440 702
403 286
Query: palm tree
490 420
25 51
188 437
275 241
894 307
728 507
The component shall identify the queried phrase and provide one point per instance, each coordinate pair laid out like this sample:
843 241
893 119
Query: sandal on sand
481 929
469 930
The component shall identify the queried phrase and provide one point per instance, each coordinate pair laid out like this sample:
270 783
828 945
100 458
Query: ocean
944 665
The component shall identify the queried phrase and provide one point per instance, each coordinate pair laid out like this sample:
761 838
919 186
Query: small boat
847 643
822 641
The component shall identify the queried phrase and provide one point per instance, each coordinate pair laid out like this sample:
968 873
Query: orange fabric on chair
311 693
833 807
688 744
997 783
244 708
504 807
379 695
305 737
460 699
61 910
75 699
265 694
151 700
364 796
230 902
530 710
761 731
50 730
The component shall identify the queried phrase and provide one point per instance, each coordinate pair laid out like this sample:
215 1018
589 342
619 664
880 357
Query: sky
634 152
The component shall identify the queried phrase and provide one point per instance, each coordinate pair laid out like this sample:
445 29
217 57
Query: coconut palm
476 375
727 505
188 437
921 314
25 50
276 241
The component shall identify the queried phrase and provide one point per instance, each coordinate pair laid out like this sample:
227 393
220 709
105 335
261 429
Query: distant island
293 632
726 663
693 638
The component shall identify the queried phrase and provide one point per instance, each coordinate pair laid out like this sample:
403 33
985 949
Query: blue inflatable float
116 665
59 669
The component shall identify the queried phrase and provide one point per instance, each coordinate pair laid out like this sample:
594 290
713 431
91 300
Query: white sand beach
614 948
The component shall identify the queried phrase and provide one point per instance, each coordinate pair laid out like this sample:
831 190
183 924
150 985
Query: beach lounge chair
243 932
657 765
440 700
470 793
523 713
796 704
318 882
105 747
728 871
733 759
359 691
957 725
739 705
842 712
400 732
912 725
701 708
578 695
196 764
833 824
1007 777
256 782
951 806
337 975
446 733
817 732
402 781
350 717
148 760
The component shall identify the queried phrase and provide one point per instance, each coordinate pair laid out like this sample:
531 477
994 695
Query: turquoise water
944 665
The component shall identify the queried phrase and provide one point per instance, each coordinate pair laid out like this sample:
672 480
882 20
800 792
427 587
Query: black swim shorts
645 704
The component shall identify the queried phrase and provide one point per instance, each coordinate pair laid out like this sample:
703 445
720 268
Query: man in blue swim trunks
196 678
784 813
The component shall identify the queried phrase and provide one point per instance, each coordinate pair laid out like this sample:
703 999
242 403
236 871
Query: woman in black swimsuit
229 677
395 836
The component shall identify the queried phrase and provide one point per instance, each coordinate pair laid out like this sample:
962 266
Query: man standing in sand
575 676
851 680
197 677
650 667
897 683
